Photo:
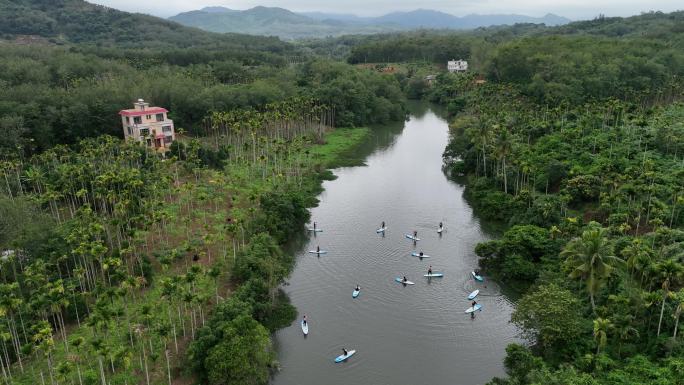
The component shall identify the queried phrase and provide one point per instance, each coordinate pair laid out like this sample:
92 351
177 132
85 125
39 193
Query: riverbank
257 307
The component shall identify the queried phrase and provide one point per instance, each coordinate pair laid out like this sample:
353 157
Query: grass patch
337 151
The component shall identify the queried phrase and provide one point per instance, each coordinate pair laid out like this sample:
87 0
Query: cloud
575 9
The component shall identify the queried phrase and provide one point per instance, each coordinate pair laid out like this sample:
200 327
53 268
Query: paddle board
318 252
477 277
401 280
474 308
305 327
434 275
343 357
315 230
411 237
473 294
419 256
356 293
381 230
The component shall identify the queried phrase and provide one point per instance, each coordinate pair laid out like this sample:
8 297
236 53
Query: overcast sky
574 9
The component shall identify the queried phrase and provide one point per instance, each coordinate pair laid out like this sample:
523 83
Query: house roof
148 111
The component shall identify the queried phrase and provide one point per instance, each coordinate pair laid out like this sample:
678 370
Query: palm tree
601 328
101 350
679 297
77 343
669 270
504 146
590 258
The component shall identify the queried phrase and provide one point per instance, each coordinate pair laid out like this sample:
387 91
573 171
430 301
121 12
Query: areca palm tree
503 148
590 258
679 297
601 328
669 270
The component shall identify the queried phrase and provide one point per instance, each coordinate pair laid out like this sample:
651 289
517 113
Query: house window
130 130
166 128
144 131
160 117
168 139
148 117
137 120
149 142
128 120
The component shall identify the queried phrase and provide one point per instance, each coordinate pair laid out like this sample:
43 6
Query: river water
403 335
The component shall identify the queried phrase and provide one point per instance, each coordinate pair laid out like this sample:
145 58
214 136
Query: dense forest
575 143
119 266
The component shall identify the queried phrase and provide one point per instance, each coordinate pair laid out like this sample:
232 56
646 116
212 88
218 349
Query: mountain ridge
287 24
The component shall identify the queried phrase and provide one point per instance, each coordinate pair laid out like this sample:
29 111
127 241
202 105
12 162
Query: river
403 335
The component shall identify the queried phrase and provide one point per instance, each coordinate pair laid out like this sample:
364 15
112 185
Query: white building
457 66
148 125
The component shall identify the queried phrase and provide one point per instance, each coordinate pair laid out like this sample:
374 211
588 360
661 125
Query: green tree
601 328
247 344
590 258
550 316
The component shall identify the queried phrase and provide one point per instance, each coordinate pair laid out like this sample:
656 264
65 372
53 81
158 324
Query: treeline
574 63
555 69
55 96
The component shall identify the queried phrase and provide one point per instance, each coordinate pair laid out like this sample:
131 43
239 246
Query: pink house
148 125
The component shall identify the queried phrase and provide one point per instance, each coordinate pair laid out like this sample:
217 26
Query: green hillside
77 21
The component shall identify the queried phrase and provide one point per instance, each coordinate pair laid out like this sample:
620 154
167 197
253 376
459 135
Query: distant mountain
291 25
218 10
271 21
425 18
348 17
420 18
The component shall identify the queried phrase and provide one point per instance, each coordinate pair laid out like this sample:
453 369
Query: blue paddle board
344 357
434 275
419 256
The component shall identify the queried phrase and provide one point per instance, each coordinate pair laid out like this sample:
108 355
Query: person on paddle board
358 288
440 225
318 249
430 270
420 254
383 225
314 226
415 234
404 280
304 319
344 351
